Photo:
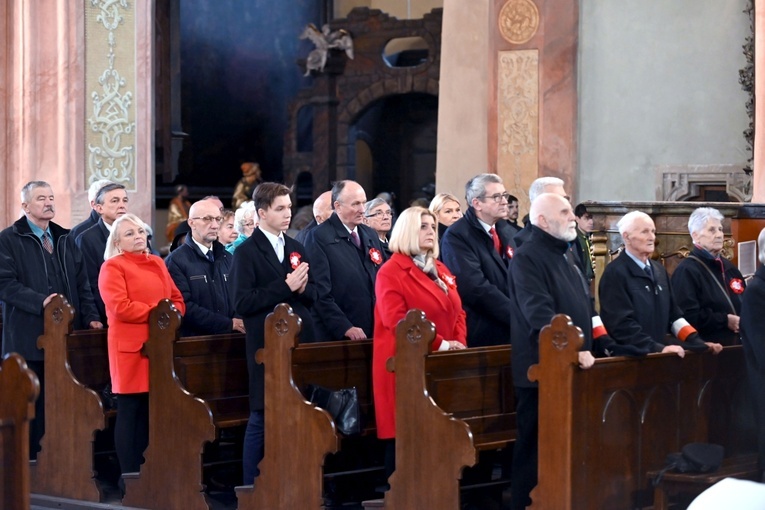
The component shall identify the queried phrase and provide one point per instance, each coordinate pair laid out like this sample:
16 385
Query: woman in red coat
411 278
132 282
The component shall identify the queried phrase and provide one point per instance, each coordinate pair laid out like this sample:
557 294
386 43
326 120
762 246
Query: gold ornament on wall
518 21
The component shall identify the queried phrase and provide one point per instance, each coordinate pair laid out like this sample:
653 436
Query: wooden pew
602 430
76 370
197 387
449 406
300 435
19 388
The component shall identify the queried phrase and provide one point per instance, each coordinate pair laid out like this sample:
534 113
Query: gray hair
111 246
240 214
761 245
26 191
106 189
476 186
625 224
96 187
539 185
375 202
701 216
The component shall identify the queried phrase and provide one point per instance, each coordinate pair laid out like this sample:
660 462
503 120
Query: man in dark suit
269 268
111 203
478 249
93 217
322 209
345 255
200 268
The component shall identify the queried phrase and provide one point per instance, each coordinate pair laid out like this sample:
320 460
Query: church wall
658 89
401 9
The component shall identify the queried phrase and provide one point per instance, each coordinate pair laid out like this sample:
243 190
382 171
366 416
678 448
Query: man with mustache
38 259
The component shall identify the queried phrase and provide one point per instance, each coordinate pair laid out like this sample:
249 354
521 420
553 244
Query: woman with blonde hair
447 209
411 278
132 281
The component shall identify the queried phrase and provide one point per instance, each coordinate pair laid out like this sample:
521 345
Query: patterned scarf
428 266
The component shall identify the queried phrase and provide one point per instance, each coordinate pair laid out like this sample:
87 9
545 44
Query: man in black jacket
93 217
269 268
478 249
322 210
345 256
111 203
543 283
200 269
636 300
38 259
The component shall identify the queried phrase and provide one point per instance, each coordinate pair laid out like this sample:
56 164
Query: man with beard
38 259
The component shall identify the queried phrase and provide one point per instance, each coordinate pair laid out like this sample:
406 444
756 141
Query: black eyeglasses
498 197
381 214
208 219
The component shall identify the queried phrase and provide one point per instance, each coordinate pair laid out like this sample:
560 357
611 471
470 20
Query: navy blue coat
345 278
205 289
92 244
88 222
482 277
636 311
258 285
24 285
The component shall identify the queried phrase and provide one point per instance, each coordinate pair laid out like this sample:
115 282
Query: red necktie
495 238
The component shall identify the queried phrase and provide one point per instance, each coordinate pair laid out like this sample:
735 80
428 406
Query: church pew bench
743 467
299 435
19 388
603 430
449 407
198 388
76 372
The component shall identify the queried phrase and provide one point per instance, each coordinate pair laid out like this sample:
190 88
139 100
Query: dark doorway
393 145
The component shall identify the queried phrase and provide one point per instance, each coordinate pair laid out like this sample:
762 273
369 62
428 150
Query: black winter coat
24 285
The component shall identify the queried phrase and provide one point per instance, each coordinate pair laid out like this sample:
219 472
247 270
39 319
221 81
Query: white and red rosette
375 256
736 285
509 252
294 259
449 280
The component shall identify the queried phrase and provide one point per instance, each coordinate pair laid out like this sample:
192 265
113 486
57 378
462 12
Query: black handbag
342 405
693 458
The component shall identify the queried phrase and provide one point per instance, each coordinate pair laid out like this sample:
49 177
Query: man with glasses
345 256
111 203
200 268
478 249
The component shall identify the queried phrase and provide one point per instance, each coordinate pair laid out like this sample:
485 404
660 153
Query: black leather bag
342 405
693 458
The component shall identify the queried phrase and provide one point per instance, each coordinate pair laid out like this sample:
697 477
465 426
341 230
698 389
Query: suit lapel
265 247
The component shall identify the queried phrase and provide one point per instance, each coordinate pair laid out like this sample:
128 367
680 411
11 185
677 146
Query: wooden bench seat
76 372
198 387
19 388
449 407
299 435
743 467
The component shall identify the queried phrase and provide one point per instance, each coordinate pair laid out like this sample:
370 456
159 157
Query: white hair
701 216
476 186
240 214
111 246
538 186
96 187
629 219
761 245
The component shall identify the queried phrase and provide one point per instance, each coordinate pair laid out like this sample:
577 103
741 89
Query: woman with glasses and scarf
379 216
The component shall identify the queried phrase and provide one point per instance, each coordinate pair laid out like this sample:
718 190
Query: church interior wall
658 87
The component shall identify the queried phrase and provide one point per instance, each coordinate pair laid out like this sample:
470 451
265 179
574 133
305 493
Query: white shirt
277 242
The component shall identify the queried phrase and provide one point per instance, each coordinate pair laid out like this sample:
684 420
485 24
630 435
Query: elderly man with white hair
637 305
707 286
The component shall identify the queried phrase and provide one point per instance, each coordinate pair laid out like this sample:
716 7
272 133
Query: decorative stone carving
518 21
680 183
518 118
414 334
110 115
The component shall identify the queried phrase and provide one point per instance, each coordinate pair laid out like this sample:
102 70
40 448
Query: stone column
508 100
49 109
758 180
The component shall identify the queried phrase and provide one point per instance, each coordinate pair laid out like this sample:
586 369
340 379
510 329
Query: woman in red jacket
132 282
411 278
